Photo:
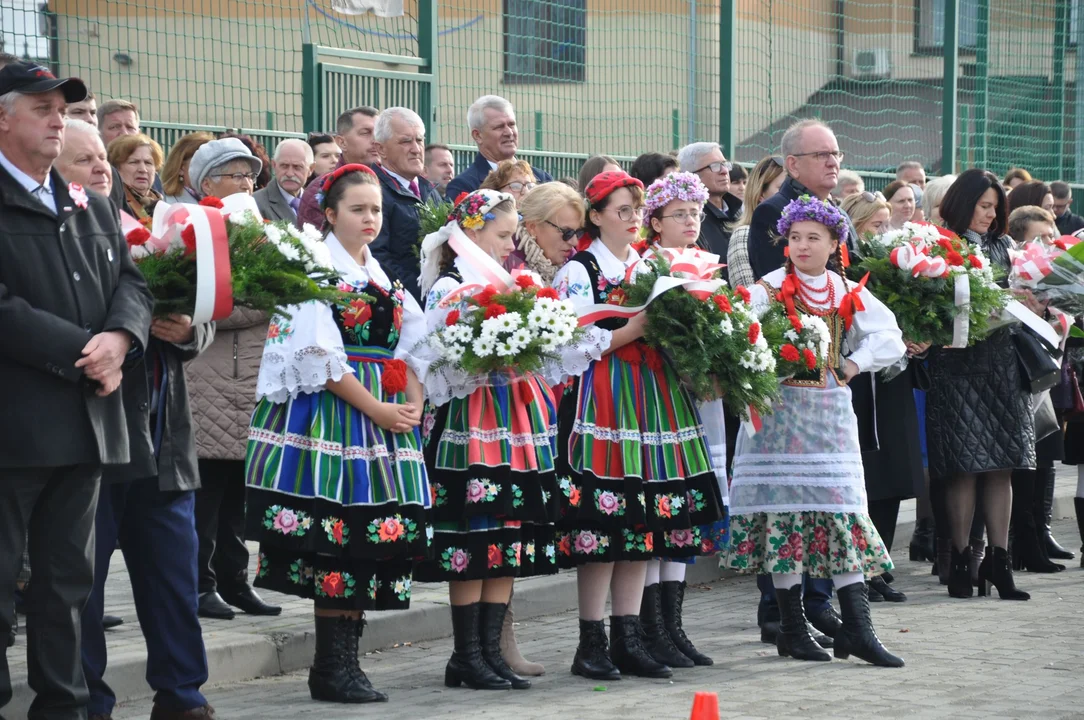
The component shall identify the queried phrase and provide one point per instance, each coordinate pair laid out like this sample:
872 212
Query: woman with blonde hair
764 181
551 218
932 196
868 211
514 177
175 180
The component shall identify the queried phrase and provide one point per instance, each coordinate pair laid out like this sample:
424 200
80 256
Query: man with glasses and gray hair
706 160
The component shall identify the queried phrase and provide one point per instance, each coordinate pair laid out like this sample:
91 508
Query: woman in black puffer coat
979 423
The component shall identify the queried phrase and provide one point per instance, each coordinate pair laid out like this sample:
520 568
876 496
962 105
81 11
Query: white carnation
726 325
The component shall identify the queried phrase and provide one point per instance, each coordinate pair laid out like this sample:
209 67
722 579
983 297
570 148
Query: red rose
486 296
742 292
452 319
789 353
524 281
547 293
649 541
630 354
138 236
617 296
754 333
212 202
723 303
496 558
495 310
356 313
394 379
332 584
337 531
810 358
565 545
975 262
188 236
954 258
653 359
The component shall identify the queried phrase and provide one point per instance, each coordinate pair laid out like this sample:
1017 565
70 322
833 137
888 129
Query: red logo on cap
41 72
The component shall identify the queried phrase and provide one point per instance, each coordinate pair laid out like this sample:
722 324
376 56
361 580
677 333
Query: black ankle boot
997 571
673 603
858 637
492 620
335 675
959 580
794 639
880 585
922 545
467 666
768 622
943 567
1044 512
628 651
1027 552
656 638
593 653
1078 505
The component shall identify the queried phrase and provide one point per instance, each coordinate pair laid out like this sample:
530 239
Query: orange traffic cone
705 706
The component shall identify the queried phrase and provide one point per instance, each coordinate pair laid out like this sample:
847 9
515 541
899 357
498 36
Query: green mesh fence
587 76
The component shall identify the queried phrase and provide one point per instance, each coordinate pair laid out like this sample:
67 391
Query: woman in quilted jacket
979 424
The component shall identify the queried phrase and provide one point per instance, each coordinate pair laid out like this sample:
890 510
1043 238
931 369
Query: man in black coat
74 315
1067 221
492 122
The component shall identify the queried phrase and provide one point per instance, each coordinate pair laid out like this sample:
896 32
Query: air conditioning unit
871 63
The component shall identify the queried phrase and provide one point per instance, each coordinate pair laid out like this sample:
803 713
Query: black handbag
1038 370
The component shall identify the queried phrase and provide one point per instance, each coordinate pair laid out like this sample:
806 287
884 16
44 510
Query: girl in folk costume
337 487
636 480
674 206
490 445
798 497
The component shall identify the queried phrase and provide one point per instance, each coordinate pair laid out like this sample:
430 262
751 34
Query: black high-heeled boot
922 545
1027 552
1044 512
943 567
657 639
996 570
673 602
858 637
489 632
335 675
959 580
793 638
593 653
467 666
628 652
879 584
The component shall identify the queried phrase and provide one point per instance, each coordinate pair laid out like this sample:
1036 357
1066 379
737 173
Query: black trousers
220 526
884 514
52 509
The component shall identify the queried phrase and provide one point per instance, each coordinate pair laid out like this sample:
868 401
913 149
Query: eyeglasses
567 234
238 177
520 186
822 155
873 197
628 212
682 216
717 167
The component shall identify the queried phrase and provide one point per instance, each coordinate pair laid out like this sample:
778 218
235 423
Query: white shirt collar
30 184
351 271
609 263
402 180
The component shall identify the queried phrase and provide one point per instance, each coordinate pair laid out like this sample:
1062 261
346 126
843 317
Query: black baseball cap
30 78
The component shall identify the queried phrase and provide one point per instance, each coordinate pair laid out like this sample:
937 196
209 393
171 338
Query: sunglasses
567 234
873 197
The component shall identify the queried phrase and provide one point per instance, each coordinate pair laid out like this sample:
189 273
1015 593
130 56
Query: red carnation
460 196
138 236
810 358
723 303
789 353
975 262
742 292
495 310
945 245
954 258
754 333
188 236
524 281
486 296
547 293
394 380
212 202
452 319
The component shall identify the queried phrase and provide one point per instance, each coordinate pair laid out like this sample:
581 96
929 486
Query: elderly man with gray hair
281 198
706 160
492 123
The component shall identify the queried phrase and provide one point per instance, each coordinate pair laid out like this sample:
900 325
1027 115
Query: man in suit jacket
74 315
492 121
281 198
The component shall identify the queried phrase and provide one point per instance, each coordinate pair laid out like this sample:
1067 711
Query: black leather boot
922 545
492 621
880 585
1027 552
996 570
826 621
794 639
858 637
978 552
673 603
593 653
1044 512
1078 505
943 567
657 639
335 675
768 622
959 580
628 651
467 666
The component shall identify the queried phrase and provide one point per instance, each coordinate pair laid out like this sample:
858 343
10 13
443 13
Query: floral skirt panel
822 544
494 492
637 480
337 503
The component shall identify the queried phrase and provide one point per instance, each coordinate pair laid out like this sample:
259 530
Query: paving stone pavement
982 658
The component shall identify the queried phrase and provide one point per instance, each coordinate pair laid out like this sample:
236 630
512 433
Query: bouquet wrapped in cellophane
1053 272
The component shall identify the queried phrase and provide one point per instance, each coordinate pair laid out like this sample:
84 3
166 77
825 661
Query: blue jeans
816 594
157 535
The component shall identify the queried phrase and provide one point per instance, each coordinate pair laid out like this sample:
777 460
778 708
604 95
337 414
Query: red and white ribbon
961 324
214 288
912 257
485 266
1032 263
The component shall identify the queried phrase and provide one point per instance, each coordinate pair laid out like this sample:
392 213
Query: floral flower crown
472 210
815 210
332 177
675 186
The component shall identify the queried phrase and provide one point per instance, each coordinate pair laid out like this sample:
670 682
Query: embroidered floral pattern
529 549
429 421
641 542
480 490
685 537
391 529
495 556
610 503
336 530
586 542
300 573
262 565
401 587
335 584
454 559
666 505
571 491
372 588
286 520
517 496
551 552
512 555
439 493
696 501
278 331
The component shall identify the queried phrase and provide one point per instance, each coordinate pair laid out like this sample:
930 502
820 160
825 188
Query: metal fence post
310 89
949 86
537 129
727 42
427 51
1061 47
675 128
982 83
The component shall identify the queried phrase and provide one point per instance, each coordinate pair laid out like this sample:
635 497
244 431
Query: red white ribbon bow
1032 263
912 257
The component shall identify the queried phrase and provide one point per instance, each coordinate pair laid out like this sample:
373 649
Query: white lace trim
573 360
306 370
615 435
457 437
328 447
